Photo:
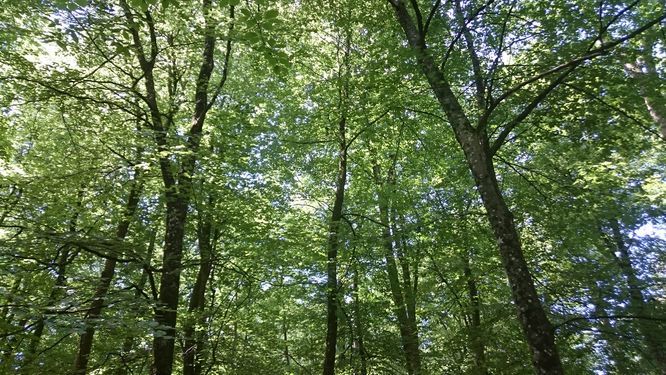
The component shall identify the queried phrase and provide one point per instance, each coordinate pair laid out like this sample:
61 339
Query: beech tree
273 187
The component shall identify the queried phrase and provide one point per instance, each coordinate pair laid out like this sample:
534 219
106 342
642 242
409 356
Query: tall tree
177 178
479 151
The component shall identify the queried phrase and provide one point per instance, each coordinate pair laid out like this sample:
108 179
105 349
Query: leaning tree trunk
537 329
95 311
645 76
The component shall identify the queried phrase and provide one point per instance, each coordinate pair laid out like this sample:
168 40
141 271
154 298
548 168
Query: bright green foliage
75 132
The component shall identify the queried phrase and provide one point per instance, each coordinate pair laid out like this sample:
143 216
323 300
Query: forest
333 187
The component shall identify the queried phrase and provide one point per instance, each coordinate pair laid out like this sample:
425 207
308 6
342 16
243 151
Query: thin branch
591 54
432 13
530 182
600 317
476 63
225 68
366 127
419 19
617 109
460 32
508 128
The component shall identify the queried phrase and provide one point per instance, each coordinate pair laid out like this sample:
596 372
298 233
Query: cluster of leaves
75 140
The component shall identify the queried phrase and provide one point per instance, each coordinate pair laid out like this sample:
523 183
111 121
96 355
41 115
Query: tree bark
7 316
95 311
476 343
177 186
536 327
193 344
358 325
400 292
332 254
128 343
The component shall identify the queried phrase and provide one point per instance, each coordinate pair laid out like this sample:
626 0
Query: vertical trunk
409 282
399 291
177 186
358 326
128 344
409 336
192 349
652 333
332 255
476 343
7 316
95 311
163 344
63 261
536 327
285 339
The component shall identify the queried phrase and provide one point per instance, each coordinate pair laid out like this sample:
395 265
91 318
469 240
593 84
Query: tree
303 187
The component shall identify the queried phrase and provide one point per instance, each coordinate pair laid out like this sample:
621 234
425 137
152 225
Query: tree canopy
299 187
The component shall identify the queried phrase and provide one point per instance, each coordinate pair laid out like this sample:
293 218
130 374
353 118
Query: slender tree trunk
285 340
192 349
63 261
652 333
476 343
401 303
536 327
409 283
332 255
618 357
95 311
177 185
358 325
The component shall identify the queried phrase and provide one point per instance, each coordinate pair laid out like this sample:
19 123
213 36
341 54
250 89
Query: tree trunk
164 342
333 246
612 349
652 333
7 316
192 348
358 325
285 340
476 343
95 311
399 291
177 186
536 327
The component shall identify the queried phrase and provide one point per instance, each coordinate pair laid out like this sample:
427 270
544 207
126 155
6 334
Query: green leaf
272 13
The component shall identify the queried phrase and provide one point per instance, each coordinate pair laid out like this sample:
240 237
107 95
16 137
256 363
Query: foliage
582 173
